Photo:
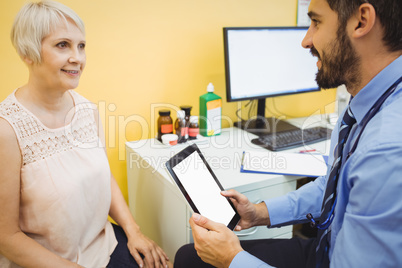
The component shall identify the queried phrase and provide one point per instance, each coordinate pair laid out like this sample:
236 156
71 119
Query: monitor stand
264 125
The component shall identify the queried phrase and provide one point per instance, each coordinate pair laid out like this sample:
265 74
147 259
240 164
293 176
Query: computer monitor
263 62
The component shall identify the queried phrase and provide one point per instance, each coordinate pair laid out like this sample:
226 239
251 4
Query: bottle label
193 132
167 128
186 132
214 117
173 142
214 104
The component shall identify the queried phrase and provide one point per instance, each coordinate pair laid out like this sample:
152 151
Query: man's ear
364 20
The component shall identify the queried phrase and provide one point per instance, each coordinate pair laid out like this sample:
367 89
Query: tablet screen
202 189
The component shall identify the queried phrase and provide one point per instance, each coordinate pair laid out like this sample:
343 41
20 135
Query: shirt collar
367 96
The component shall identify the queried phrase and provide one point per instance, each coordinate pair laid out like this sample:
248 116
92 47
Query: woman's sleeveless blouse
65 184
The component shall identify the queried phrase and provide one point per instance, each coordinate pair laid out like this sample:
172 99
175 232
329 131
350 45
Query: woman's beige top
65 184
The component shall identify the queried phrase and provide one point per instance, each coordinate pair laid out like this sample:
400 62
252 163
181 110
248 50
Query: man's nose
308 39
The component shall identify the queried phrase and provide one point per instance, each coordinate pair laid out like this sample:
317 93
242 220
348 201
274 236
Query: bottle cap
164 112
187 109
181 114
194 119
210 87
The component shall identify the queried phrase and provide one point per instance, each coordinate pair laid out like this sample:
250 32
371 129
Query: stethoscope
372 112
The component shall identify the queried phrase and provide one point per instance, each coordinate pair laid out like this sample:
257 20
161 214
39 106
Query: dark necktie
323 235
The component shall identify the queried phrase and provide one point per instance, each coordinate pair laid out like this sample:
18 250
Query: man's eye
82 46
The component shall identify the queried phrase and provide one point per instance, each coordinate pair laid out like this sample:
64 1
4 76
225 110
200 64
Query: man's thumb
205 222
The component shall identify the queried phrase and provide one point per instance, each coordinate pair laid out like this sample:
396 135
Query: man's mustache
314 52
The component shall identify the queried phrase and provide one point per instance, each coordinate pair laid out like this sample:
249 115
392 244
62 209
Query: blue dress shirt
367 226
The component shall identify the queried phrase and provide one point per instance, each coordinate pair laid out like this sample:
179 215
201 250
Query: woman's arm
14 244
138 243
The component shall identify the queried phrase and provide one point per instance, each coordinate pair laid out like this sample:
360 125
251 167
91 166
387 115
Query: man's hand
215 243
250 214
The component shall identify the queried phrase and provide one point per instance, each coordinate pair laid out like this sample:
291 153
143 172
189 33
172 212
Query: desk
158 205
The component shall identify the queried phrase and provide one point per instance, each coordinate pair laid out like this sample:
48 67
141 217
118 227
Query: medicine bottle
165 124
210 113
194 128
180 127
187 112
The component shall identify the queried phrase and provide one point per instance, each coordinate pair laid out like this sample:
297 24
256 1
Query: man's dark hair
389 12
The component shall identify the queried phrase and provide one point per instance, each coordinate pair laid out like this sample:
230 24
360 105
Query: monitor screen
263 62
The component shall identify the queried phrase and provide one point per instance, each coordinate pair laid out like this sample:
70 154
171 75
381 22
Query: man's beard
339 63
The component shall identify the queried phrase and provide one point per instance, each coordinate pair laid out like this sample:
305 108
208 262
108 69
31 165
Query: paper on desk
297 164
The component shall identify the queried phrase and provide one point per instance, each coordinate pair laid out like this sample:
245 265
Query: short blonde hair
35 21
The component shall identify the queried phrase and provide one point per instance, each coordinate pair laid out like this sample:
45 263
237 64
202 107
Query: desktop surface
224 153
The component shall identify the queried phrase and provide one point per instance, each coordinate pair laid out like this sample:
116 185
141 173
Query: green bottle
210 113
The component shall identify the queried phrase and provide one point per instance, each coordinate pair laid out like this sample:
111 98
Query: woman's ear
27 60
365 19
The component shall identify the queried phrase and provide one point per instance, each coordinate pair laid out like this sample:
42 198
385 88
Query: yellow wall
143 53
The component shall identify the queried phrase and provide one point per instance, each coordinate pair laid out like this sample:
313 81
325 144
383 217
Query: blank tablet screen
203 190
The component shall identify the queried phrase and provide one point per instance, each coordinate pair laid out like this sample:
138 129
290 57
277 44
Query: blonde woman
56 188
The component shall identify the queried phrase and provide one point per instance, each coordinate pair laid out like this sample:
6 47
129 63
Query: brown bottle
165 124
180 127
194 128
187 111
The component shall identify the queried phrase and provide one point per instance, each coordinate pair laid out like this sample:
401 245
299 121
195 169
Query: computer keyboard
292 138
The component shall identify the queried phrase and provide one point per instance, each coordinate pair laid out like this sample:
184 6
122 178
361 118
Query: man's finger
238 228
235 195
206 223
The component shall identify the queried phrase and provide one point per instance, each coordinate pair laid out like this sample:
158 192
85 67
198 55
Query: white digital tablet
200 187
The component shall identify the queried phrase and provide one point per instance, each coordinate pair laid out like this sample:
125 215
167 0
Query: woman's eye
62 44
82 46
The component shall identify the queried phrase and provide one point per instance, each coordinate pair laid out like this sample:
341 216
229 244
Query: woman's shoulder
7 104
8 114
8 137
10 111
